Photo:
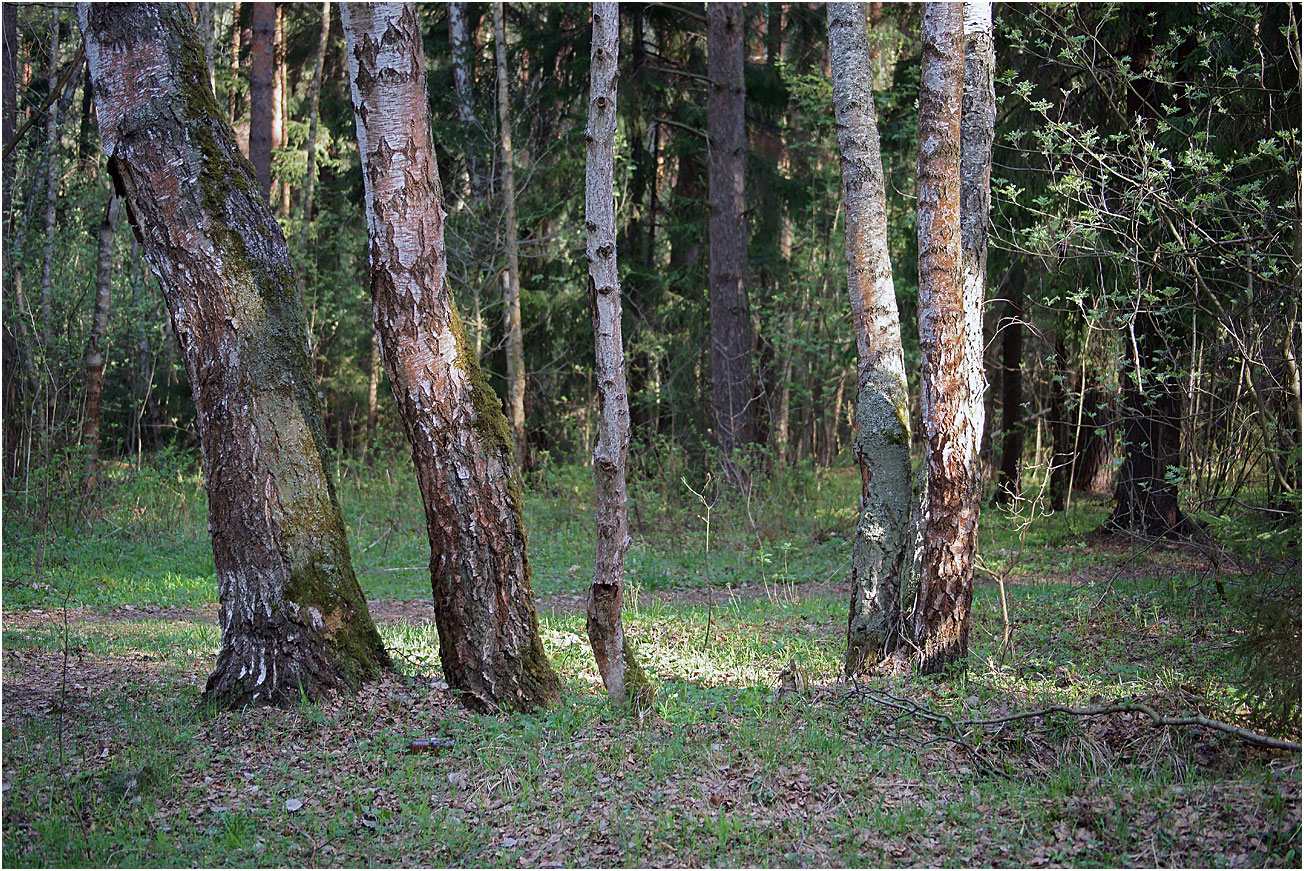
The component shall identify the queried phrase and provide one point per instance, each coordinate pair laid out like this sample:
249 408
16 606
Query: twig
1246 735
55 93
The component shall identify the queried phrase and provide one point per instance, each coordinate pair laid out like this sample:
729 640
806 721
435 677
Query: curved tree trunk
489 642
882 404
620 673
950 339
94 357
294 621
512 277
731 323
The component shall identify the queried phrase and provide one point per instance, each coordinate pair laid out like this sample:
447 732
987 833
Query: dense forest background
1145 233
1130 688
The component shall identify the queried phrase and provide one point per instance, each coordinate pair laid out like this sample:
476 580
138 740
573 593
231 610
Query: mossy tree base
294 621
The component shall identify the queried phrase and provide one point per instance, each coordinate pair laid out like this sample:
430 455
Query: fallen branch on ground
914 708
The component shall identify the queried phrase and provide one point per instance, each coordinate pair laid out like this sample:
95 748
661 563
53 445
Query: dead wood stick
1246 735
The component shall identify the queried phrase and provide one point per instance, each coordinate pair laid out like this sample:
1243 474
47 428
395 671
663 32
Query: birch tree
620 672
950 340
489 643
293 619
882 406
94 359
512 275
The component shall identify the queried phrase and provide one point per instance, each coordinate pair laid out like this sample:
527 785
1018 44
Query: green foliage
1265 656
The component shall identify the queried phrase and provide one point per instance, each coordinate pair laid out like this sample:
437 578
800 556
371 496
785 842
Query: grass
109 760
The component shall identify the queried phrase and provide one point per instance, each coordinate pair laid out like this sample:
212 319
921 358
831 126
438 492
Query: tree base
280 672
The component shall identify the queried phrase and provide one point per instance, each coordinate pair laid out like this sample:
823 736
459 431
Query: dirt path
388 611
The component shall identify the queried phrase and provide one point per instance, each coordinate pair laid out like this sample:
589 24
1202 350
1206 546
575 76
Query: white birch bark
512 279
620 674
489 644
882 406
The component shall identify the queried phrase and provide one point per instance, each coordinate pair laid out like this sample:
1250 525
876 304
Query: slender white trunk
620 673
882 406
512 277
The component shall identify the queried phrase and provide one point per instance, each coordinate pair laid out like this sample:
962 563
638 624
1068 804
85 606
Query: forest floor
109 631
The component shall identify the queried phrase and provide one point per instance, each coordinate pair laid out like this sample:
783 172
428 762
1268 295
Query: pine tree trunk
621 674
233 97
731 321
293 619
512 278
882 404
263 108
1145 498
489 642
93 360
950 339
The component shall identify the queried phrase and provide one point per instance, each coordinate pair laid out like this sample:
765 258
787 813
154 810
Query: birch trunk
460 46
731 322
882 405
262 95
281 118
950 339
621 675
294 621
512 279
313 111
489 642
9 84
93 360
1010 487
51 173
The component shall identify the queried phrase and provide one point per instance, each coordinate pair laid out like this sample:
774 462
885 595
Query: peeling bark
512 277
950 339
93 360
489 642
882 406
731 323
621 675
294 622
